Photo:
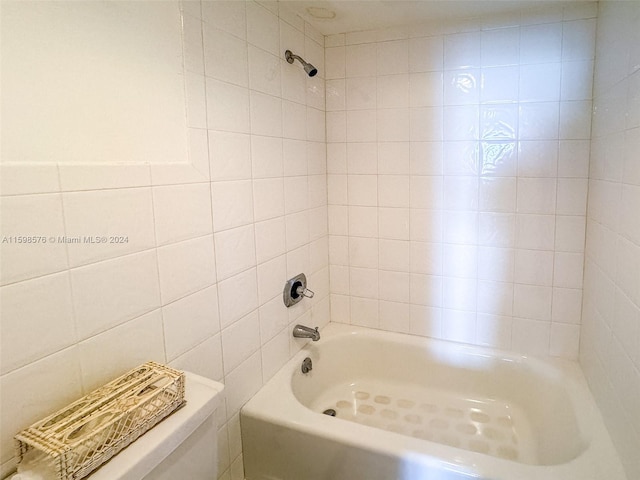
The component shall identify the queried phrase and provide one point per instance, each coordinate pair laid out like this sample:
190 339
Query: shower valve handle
305 292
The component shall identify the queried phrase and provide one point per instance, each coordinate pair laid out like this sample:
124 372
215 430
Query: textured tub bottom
487 426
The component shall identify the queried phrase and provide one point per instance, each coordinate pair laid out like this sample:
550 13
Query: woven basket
82 436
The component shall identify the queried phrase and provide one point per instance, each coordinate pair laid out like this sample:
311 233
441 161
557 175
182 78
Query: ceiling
359 15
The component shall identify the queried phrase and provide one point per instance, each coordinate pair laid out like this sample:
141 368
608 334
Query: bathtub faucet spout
300 331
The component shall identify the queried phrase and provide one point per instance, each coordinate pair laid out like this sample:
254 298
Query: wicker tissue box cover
82 436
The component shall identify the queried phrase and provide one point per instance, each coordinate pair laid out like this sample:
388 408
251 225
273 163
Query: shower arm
290 56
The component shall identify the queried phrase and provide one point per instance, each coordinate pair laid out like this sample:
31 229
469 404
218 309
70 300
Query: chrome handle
305 292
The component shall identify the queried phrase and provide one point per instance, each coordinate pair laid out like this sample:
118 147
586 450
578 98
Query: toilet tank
183 446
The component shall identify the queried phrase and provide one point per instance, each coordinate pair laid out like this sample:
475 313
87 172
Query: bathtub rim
271 405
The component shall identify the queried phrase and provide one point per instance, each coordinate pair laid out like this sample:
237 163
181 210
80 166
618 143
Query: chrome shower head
310 69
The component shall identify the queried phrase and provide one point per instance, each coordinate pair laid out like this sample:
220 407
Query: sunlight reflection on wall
457 165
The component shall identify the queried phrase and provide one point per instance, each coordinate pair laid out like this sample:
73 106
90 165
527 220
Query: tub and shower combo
374 405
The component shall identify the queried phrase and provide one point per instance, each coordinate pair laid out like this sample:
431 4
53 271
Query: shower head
310 69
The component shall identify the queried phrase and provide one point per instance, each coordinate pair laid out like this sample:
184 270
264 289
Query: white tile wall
198 281
455 165
457 168
610 337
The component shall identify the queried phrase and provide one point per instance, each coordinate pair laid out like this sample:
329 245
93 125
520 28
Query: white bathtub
410 408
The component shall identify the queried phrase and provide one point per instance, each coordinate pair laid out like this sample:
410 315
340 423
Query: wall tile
195 171
26 307
127 346
361 60
536 195
235 305
364 312
273 319
458 326
58 374
264 71
32 215
294 124
227 107
316 130
499 84
230 155
530 336
393 57
240 340
186 267
297 230
460 260
243 382
314 49
338 220
500 46
534 267
296 194
195 96
94 177
426 258
462 50
577 80
362 221
360 93
540 82
271 277
225 56
201 308
109 293
393 91
531 301
339 278
462 87
541 43
232 204
124 217
426 54
575 120
270 239
262 28
493 330
395 316
335 62
235 251
361 126
336 126
567 305
535 232
228 16
268 198
28 179
267 156
258 132
181 212
539 121
204 359
275 354
425 124
572 196
578 39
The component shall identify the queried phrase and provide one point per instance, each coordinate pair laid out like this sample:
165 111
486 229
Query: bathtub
411 408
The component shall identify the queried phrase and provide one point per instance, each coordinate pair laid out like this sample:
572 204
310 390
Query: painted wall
457 163
198 284
610 345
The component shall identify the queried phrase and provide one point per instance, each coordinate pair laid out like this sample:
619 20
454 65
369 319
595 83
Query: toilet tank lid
138 459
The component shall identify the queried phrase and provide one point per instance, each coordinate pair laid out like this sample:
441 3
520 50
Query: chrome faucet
300 331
